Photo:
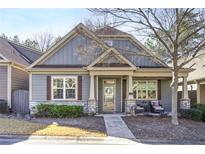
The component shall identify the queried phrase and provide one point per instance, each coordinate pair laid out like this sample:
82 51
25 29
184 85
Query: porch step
116 127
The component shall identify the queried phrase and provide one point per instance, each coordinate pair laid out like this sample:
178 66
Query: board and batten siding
125 46
166 95
69 54
19 79
39 87
3 82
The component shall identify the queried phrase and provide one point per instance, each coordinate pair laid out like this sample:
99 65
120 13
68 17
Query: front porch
115 91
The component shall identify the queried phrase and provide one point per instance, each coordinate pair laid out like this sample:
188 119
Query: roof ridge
107 28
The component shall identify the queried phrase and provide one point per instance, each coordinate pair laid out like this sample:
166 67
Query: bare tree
44 40
181 32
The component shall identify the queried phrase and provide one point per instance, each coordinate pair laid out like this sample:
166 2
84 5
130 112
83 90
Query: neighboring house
14 58
196 79
105 71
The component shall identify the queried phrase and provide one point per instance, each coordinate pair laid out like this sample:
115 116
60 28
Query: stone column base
129 105
92 107
185 104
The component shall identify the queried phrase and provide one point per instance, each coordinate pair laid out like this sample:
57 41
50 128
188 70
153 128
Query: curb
176 142
104 140
51 137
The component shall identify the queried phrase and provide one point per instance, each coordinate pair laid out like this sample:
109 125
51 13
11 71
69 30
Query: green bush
200 107
193 113
59 111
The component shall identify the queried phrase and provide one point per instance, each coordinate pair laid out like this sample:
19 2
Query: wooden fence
20 101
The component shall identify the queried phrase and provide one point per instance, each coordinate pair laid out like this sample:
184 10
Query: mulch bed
90 123
156 128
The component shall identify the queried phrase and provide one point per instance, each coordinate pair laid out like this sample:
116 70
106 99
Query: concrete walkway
116 127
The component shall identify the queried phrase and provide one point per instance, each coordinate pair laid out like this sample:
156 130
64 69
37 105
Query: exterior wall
39 91
118 100
3 82
124 46
19 79
166 95
69 54
202 94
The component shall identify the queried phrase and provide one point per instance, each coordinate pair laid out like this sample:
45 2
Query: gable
111 60
134 52
73 49
80 50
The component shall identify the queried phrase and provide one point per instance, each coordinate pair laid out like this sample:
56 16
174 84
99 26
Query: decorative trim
116 53
66 39
30 87
76 81
115 93
9 86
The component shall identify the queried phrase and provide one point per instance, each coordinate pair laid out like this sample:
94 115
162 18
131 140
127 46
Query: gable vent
109 42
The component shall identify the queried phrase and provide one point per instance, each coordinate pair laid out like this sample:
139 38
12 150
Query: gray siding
69 54
39 87
19 79
118 96
3 82
166 96
85 87
100 96
125 46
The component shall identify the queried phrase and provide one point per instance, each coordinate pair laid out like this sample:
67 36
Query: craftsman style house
104 71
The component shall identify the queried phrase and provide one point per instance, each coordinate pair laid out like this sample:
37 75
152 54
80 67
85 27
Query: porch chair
156 107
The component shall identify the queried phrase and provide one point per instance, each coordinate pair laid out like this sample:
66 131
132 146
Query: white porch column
185 88
185 101
92 102
92 92
198 93
130 103
130 89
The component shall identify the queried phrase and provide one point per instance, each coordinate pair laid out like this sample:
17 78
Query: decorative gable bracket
111 59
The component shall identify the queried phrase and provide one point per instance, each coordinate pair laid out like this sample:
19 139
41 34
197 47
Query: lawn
157 128
23 127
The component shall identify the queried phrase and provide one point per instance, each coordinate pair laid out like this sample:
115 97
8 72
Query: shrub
200 107
59 111
194 114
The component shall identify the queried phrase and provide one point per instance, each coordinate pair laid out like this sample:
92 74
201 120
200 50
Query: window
64 88
145 89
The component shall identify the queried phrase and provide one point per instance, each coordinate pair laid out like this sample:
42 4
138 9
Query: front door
109 95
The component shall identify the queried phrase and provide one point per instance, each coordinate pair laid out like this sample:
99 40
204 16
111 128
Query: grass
21 127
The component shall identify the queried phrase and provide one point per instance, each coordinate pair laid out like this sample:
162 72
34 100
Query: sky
26 22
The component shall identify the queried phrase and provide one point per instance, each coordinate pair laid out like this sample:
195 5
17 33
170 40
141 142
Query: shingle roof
17 53
29 53
109 31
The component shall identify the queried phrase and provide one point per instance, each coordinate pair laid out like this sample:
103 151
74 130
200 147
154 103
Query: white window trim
64 88
147 90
